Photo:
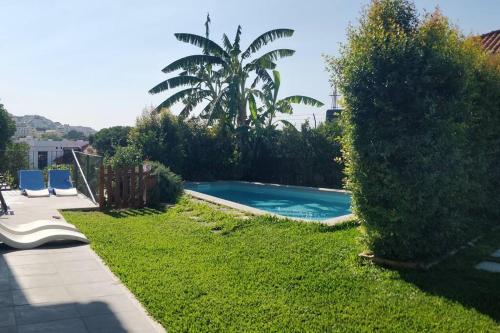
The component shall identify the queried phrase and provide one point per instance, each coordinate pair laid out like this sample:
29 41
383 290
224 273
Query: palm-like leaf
193 60
298 99
287 124
252 105
262 75
277 54
175 98
182 80
236 45
192 101
205 43
276 85
227 43
266 38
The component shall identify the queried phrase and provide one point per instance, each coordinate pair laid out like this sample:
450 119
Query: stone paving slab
62 287
489 266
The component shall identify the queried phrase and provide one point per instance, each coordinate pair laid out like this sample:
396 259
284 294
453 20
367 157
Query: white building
25 131
44 152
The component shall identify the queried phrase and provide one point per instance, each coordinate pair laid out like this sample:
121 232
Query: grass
199 268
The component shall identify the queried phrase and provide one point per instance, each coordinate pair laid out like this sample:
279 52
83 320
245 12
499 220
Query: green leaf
297 99
288 124
236 45
175 98
175 82
266 38
276 84
227 43
252 106
192 101
189 61
277 54
210 46
262 75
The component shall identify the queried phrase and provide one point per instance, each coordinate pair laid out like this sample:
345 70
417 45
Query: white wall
54 149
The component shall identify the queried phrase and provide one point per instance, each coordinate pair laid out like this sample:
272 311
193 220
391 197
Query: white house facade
45 152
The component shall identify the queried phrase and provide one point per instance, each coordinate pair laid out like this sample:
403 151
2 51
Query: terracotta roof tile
491 41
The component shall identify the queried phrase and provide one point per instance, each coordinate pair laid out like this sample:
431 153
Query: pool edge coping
254 211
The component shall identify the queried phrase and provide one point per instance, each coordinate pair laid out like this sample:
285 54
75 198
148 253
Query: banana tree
264 115
219 75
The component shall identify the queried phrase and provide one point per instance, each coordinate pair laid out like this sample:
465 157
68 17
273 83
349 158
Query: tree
75 135
408 98
220 74
7 128
15 159
108 139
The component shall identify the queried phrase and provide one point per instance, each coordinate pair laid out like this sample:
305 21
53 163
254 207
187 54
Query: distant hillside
41 123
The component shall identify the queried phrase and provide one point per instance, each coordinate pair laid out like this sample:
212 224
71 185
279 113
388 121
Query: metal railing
86 174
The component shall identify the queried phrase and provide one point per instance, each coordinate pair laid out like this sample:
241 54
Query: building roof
491 41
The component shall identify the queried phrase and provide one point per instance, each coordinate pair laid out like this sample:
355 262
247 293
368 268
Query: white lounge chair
27 228
40 237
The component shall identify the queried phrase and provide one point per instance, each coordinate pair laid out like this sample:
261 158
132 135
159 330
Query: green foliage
408 86
50 136
7 128
14 158
196 267
107 140
224 76
168 186
75 135
198 152
124 157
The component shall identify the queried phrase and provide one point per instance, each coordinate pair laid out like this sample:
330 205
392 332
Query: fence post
118 198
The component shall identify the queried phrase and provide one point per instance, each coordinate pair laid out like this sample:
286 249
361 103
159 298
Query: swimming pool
295 202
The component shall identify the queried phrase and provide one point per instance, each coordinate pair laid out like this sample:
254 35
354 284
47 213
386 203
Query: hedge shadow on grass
458 280
133 212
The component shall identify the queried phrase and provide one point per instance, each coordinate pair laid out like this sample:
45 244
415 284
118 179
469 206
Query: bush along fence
125 187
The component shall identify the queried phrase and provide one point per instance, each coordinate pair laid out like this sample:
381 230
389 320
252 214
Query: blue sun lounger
32 184
60 183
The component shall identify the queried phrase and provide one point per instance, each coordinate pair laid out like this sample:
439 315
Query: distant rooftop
491 41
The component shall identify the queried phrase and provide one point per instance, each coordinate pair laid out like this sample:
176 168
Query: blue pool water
295 202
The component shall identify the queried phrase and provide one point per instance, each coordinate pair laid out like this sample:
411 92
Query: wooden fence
124 188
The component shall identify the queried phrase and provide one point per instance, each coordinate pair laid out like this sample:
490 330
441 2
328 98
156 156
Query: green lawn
198 268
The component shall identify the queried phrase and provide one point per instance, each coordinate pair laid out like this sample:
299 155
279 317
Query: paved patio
62 287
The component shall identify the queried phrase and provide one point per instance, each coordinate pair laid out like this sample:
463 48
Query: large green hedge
417 97
305 156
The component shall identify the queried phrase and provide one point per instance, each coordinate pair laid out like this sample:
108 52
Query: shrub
407 86
199 152
128 156
168 186
7 128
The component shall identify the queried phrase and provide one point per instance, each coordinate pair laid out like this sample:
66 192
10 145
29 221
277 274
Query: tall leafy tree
7 128
219 75
108 139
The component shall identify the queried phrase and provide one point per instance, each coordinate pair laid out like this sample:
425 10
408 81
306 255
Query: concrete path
62 287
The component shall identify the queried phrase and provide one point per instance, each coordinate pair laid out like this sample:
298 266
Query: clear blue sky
91 62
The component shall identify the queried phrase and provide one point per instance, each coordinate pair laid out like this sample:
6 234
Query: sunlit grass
198 268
